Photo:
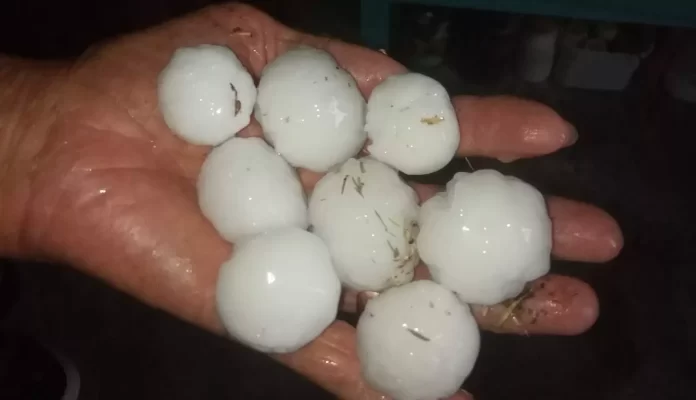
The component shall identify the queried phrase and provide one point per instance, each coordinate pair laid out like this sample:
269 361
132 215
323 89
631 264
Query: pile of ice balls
362 227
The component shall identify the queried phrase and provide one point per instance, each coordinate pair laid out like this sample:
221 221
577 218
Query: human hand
112 191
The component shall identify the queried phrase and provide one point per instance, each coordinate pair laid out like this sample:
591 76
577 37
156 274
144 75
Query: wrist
27 109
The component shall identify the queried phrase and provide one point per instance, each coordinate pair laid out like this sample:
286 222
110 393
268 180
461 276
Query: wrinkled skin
100 183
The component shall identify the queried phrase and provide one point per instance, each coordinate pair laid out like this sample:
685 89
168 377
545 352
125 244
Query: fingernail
571 135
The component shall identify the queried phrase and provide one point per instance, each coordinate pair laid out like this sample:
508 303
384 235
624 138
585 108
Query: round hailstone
412 124
279 291
367 216
205 94
417 342
310 109
245 188
486 237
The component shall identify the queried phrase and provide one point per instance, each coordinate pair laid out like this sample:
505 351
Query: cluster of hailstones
362 227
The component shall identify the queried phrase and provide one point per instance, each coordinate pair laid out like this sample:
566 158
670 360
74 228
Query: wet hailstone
367 215
205 94
417 342
486 236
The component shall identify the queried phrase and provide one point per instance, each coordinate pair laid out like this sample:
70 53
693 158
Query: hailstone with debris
310 109
205 94
411 124
486 236
417 342
367 215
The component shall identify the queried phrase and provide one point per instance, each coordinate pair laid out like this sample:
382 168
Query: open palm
112 190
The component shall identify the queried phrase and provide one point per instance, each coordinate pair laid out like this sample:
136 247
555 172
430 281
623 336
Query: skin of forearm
29 92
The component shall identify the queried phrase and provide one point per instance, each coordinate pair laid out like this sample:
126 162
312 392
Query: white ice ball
417 342
205 94
245 188
367 215
486 236
412 124
278 291
310 109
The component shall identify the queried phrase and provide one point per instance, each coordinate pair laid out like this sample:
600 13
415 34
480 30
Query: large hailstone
417 342
245 188
278 291
486 236
205 94
411 124
310 109
367 215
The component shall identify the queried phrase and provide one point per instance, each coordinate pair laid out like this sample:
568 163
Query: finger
331 361
581 232
502 127
555 304
508 128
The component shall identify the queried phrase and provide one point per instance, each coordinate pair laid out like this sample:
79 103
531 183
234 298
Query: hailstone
205 94
486 236
310 109
367 215
417 342
411 124
245 188
278 291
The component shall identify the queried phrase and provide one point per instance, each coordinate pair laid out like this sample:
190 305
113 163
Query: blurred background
628 87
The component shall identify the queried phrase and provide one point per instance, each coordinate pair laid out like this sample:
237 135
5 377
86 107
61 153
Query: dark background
631 159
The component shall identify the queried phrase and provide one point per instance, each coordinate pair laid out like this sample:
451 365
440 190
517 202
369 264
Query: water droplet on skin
329 362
